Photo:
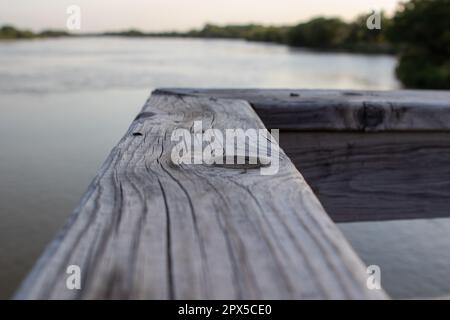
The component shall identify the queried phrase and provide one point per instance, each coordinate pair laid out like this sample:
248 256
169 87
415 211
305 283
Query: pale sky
180 15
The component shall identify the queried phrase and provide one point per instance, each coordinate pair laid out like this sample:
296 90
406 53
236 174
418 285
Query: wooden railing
148 228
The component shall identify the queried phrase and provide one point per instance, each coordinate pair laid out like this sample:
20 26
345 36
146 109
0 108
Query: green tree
9 32
421 30
320 33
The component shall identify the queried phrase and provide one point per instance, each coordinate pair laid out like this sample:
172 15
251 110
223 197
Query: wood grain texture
149 229
341 110
375 176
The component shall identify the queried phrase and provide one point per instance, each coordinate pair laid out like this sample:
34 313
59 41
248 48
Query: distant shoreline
320 34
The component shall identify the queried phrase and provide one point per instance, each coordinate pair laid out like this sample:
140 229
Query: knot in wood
370 116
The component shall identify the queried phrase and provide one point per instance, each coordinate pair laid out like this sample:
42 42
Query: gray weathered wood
375 176
337 110
149 229
368 155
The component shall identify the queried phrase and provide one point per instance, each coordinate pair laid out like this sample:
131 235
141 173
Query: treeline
251 32
319 33
10 33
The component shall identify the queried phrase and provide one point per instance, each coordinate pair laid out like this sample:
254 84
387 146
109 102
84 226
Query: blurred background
67 96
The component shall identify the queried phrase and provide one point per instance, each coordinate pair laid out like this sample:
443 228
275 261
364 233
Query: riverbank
11 33
322 34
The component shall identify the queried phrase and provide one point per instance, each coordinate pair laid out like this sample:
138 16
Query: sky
177 15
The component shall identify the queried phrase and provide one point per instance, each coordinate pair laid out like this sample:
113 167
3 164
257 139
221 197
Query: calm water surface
64 103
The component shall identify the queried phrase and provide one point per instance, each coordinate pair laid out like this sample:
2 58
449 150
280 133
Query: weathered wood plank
368 155
149 229
375 176
337 110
